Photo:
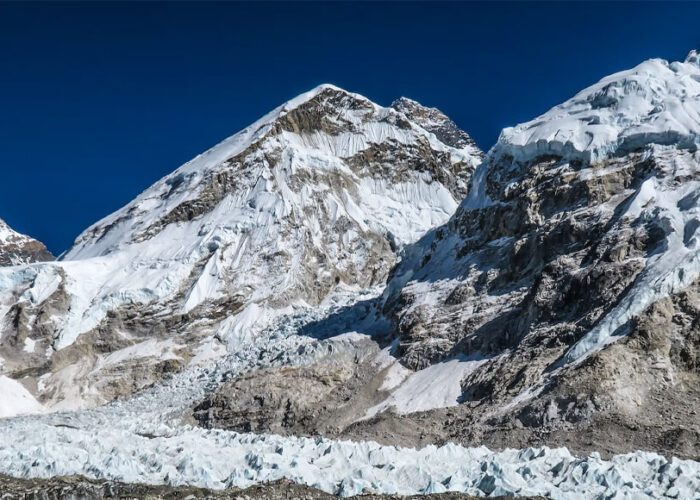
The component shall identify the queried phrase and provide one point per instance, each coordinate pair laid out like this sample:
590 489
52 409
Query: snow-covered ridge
655 102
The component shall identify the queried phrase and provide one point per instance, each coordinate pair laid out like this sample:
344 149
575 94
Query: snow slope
16 400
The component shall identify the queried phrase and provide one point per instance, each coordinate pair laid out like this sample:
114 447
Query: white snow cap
656 102
307 96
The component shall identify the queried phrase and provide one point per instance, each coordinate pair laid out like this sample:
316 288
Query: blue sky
99 100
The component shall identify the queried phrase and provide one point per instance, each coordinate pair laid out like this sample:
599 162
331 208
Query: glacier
144 440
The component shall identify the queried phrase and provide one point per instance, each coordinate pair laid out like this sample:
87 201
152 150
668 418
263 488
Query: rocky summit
356 298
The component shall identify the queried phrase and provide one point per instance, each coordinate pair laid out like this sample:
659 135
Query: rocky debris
16 248
322 398
77 488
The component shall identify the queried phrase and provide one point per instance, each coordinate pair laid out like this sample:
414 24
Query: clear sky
99 100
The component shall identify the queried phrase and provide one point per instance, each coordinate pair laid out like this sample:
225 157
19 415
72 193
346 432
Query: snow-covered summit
655 102
315 129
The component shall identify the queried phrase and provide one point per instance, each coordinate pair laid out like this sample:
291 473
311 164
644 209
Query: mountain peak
435 121
17 248
324 88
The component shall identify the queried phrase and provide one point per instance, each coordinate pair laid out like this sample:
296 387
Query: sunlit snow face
656 102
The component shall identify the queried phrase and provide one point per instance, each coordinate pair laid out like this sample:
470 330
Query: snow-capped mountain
559 304
570 273
17 248
318 195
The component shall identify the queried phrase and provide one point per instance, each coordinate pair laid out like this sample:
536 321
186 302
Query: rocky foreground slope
558 306
85 489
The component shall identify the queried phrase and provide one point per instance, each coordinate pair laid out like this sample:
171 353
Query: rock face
16 248
560 301
318 195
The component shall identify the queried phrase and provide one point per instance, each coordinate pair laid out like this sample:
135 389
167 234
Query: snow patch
437 386
15 399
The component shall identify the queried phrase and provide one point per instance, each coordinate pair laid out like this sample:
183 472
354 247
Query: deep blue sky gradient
99 100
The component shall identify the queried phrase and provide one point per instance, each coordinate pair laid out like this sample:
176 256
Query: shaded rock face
537 267
320 194
16 248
